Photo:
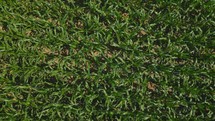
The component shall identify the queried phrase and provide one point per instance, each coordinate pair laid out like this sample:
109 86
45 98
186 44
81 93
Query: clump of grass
113 60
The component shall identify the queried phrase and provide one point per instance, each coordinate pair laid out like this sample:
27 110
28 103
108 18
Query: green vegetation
119 59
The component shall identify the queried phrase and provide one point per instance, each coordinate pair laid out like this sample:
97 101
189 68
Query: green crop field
127 60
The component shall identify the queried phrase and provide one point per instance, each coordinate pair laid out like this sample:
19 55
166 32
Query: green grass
114 60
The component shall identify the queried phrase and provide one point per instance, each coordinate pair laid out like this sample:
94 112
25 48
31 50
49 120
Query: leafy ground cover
112 60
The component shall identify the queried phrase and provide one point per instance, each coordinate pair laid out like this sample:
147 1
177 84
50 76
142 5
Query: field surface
113 60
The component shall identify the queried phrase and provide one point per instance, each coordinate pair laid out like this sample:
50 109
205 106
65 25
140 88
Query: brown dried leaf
65 52
28 33
125 15
79 24
46 50
151 86
94 54
142 32
108 54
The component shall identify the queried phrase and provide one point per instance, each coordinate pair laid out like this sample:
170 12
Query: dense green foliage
119 59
